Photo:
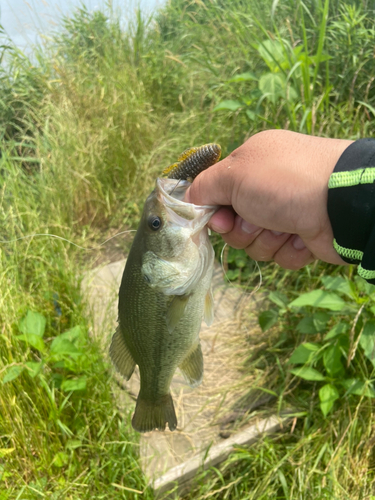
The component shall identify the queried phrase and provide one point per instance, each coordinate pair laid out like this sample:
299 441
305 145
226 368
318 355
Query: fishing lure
193 161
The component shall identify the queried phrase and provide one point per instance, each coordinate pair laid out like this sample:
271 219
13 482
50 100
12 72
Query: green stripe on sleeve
347 252
352 178
366 273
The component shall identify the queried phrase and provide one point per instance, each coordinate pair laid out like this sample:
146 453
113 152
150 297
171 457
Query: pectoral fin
120 355
176 310
209 308
192 367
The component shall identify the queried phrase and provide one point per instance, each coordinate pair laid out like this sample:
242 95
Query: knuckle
232 242
292 262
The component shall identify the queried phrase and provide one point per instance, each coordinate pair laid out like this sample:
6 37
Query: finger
223 220
323 248
242 234
266 245
212 186
294 254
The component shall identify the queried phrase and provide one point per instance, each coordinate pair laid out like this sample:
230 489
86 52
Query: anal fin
120 355
192 366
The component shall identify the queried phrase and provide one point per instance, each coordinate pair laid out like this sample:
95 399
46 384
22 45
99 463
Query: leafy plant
291 82
60 361
100 111
339 321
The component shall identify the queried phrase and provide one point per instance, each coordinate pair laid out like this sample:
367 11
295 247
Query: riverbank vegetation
86 124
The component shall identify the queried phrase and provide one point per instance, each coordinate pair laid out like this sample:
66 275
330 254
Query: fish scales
164 295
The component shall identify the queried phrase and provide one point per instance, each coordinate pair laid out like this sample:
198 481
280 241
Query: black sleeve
351 206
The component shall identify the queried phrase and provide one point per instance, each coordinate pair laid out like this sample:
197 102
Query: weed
86 126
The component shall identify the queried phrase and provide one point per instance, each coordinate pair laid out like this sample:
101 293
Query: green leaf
307 326
364 286
59 364
34 323
327 395
60 459
319 298
332 360
308 373
291 93
250 97
367 340
337 284
338 329
33 368
358 387
320 320
244 77
78 384
279 299
61 345
232 274
304 353
267 319
240 260
229 105
271 51
72 444
34 341
313 324
251 115
77 332
273 86
12 372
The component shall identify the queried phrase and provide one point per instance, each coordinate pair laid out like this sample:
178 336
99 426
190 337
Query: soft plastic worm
193 161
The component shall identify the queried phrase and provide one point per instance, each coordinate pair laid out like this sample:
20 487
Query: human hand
273 191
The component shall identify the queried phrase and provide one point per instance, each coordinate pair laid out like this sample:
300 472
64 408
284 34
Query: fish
165 293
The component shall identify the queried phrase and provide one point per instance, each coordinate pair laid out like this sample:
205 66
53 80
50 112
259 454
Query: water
30 21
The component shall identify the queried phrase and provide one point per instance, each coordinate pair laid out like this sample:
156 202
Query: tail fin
150 415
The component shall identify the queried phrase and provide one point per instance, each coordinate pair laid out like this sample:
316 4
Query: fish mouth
171 193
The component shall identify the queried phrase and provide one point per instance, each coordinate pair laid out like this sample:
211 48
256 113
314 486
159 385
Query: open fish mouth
171 193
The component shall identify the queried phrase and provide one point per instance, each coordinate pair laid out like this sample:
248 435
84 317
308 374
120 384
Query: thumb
212 186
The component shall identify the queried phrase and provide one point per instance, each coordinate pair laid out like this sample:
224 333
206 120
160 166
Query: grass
86 126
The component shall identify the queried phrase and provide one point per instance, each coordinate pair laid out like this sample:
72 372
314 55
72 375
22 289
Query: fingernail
298 243
249 228
277 233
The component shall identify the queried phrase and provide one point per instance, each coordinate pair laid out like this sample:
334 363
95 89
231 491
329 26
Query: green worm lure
193 161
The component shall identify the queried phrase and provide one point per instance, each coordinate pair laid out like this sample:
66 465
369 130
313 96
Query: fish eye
154 222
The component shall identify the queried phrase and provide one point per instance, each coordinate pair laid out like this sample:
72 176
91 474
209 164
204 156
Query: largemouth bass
164 294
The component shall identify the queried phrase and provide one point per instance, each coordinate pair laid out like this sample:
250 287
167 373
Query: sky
26 21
